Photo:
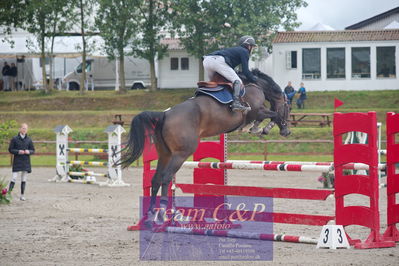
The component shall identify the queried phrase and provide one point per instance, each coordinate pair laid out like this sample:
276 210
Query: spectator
6 76
13 76
290 92
300 102
22 147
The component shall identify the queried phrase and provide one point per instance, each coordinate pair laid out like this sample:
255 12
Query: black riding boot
236 106
11 187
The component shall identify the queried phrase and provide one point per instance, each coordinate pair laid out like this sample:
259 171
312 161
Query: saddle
218 88
216 81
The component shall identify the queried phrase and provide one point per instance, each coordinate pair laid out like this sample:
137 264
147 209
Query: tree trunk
122 81
154 85
51 56
43 65
82 25
201 72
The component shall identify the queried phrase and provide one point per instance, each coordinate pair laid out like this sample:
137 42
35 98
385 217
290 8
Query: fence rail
265 152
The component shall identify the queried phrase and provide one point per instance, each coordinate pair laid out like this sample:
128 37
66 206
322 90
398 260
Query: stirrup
236 106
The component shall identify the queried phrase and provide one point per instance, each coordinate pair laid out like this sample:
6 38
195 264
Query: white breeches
216 63
24 176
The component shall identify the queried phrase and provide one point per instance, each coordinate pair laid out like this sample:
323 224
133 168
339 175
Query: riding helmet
247 41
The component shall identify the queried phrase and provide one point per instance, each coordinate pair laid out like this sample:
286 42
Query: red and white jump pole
242 234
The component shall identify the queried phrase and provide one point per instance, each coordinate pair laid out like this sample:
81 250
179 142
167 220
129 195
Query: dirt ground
76 224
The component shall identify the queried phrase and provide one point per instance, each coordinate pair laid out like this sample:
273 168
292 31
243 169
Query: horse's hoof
148 224
265 132
255 131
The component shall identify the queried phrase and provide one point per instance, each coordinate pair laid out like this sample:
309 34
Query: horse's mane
256 72
275 87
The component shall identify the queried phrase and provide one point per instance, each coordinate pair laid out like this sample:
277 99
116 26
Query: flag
337 103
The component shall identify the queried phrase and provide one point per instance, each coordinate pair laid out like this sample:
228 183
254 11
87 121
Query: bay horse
177 131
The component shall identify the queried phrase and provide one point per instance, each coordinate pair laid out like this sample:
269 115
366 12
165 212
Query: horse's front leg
262 114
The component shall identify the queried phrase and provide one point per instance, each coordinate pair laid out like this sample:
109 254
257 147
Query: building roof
371 20
173 43
336 36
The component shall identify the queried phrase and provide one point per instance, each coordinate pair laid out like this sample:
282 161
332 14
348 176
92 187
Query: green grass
89 114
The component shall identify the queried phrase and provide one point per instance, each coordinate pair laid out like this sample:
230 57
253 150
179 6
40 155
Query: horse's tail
144 124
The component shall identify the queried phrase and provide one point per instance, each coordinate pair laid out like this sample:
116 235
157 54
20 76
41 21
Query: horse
176 131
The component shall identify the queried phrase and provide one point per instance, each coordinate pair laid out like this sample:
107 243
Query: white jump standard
114 173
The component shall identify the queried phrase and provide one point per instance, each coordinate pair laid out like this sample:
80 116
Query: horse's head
278 101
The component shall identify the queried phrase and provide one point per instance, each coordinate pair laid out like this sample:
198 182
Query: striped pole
275 167
88 150
87 163
87 174
242 234
280 162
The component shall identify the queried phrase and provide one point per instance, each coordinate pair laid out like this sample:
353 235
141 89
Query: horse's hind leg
156 181
175 163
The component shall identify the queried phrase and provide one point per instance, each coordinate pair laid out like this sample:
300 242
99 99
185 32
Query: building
386 20
362 57
177 69
337 60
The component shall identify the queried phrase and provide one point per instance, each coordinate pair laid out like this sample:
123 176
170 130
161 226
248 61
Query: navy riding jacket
235 56
21 162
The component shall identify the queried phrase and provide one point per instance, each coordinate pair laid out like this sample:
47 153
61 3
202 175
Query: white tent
321 27
393 25
17 45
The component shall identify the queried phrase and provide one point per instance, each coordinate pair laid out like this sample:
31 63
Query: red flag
337 103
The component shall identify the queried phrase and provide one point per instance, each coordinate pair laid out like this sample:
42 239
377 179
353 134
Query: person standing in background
13 77
6 76
302 97
289 92
21 146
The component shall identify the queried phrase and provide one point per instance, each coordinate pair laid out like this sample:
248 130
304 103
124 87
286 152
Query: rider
224 61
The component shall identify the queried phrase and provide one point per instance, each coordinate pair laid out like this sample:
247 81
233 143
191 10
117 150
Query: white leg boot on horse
237 106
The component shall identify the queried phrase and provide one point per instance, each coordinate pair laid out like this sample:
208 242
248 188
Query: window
335 63
291 60
311 63
360 62
386 67
174 63
88 67
184 63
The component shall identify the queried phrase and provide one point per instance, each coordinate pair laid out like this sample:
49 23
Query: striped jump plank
87 174
275 167
280 162
87 163
88 150
242 234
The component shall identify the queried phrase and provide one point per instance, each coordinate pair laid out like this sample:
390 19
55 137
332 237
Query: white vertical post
114 155
117 74
62 168
379 124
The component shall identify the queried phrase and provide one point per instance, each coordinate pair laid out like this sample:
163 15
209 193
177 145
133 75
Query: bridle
286 107
281 118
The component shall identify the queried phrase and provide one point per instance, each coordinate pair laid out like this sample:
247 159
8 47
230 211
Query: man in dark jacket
22 147
224 61
6 76
13 76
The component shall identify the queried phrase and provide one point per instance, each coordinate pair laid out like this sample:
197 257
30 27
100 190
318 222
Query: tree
44 19
84 13
61 13
151 18
116 25
11 14
198 23
204 26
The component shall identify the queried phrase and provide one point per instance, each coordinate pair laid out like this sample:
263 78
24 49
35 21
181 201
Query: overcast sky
341 13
